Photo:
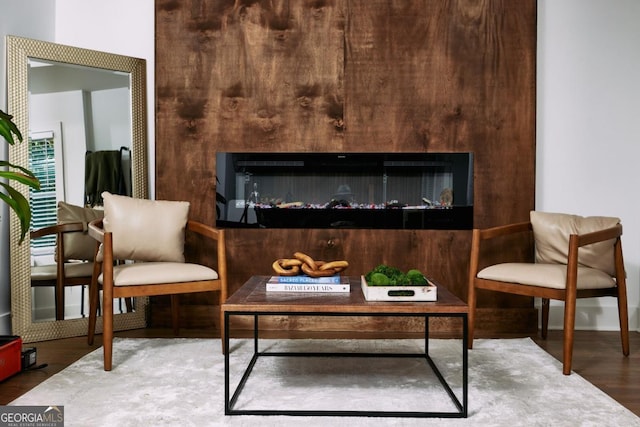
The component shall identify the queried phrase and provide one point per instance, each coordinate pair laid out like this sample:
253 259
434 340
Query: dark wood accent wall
349 76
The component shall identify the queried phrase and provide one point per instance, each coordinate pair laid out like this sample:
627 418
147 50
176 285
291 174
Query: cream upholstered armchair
575 257
74 253
150 236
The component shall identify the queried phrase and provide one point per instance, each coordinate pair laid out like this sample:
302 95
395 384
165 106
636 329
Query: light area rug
180 382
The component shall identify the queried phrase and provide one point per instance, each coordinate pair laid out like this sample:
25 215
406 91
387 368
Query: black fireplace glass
345 190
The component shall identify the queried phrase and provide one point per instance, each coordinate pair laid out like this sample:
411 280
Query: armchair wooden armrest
96 230
57 229
480 235
503 230
217 235
598 236
577 241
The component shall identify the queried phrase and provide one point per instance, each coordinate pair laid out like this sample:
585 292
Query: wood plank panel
353 76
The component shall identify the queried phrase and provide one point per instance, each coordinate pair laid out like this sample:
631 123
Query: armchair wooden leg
473 271
107 334
472 314
94 294
569 325
224 350
545 318
624 318
94 300
621 283
175 313
59 304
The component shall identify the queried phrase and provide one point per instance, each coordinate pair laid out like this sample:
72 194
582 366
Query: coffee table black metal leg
465 365
255 334
426 335
230 400
227 350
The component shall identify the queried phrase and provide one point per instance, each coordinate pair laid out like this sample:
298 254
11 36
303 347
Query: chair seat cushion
148 273
78 269
71 270
44 272
546 275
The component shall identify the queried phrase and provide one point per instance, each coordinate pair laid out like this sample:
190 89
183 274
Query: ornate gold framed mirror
23 57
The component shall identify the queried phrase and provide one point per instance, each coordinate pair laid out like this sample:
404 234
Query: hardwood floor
597 357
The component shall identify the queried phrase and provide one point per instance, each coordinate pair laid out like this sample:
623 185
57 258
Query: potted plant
11 172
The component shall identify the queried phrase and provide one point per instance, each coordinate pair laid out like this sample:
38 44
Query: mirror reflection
84 113
79 145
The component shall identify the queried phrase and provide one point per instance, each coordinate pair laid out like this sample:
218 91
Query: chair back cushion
146 230
551 233
78 245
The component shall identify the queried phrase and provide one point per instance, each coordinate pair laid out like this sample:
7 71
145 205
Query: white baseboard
71 311
592 317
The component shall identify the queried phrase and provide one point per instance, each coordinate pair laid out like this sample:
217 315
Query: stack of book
304 283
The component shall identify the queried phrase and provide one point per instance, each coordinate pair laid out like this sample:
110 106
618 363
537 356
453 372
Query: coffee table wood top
253 297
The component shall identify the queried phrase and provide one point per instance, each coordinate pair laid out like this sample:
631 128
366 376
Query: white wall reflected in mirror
72 110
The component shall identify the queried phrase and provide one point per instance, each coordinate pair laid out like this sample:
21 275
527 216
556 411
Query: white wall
26 18
64 111
111 118
124 27
588 128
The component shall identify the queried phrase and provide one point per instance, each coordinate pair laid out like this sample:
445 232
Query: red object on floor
10 356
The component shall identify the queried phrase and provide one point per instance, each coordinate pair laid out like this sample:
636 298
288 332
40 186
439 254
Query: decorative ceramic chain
306 264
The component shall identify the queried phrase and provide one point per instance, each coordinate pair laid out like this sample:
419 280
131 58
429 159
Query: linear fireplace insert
345 190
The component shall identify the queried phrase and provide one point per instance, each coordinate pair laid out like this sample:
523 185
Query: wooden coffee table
252 299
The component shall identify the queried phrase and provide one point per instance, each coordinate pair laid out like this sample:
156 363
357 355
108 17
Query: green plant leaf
8 128
12 197
31 181
20 205
24 171
6 133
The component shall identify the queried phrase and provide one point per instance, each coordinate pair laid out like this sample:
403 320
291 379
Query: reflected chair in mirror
64 272
152 237
72 241
575 257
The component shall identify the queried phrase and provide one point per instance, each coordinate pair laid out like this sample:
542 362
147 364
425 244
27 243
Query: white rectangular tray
428 292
